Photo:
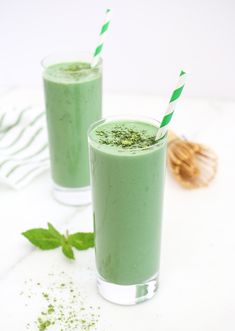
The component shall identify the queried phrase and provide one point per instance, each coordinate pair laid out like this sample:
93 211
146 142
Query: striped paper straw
172 104
103 32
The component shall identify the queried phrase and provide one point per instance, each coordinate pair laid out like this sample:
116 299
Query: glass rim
74 55
140 118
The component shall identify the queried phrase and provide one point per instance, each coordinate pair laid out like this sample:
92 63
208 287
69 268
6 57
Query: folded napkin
23 140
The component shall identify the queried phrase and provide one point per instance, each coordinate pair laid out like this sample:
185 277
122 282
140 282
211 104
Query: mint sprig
51 238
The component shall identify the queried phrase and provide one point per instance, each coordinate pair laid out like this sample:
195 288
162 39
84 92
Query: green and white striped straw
103 32
172 104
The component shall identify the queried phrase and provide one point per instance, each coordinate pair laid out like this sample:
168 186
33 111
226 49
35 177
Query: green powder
43 325
126 137
71 71
63 306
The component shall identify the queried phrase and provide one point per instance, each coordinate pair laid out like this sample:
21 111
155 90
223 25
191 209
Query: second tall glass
73 96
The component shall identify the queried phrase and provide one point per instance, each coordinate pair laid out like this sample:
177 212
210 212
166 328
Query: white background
149 42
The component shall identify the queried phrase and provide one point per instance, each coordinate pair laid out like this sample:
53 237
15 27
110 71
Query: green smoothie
73 92
127 173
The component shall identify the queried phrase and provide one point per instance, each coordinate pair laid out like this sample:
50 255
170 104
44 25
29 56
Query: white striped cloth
23 140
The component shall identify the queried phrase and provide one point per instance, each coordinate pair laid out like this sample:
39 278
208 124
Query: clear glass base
72 196
127 294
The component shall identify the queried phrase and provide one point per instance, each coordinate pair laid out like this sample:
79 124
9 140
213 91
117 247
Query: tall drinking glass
73 97
127 167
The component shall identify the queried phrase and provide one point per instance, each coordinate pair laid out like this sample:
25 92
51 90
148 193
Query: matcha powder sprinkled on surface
43 325
64 307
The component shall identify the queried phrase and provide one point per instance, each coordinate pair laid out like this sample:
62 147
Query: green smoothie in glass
127 167
73 95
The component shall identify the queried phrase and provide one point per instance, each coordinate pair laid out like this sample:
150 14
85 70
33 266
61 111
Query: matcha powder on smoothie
127 137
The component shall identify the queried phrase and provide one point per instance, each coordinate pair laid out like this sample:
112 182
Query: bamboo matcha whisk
193 165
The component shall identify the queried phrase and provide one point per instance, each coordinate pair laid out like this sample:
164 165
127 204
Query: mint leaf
42 238
51 238
68 251
54 232
81 240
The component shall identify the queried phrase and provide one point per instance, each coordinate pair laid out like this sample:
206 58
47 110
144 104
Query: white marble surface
197 288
